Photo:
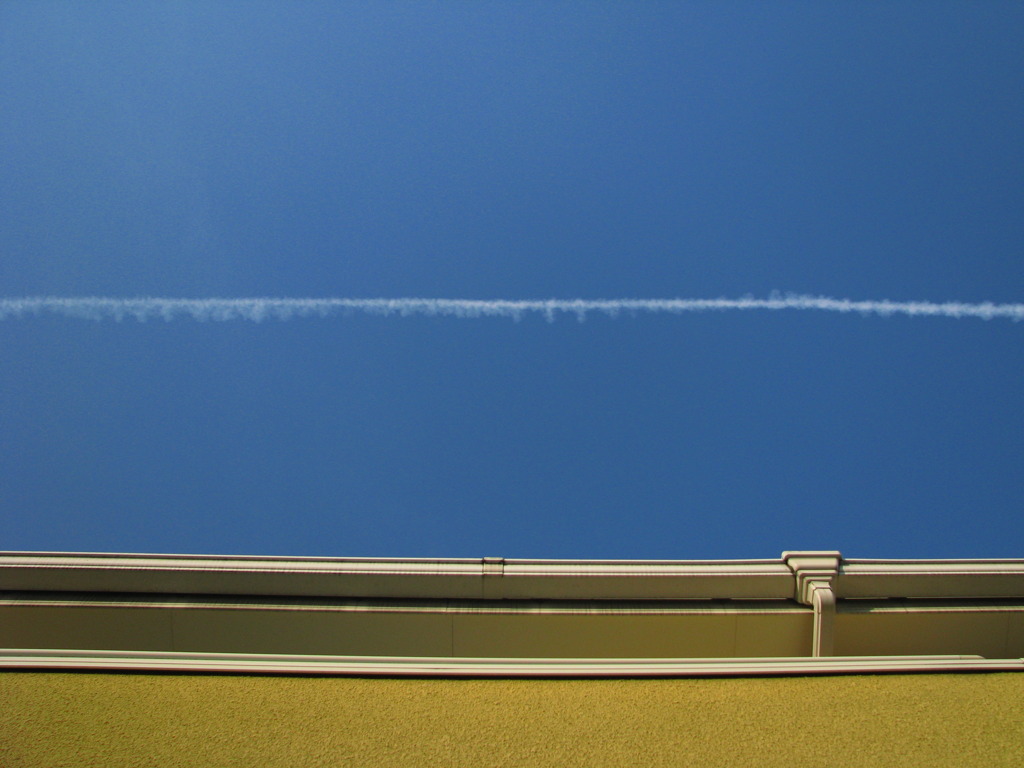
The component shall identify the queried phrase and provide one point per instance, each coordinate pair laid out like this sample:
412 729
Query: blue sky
525 151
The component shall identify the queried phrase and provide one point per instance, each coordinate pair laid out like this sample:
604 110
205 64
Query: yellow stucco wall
77 719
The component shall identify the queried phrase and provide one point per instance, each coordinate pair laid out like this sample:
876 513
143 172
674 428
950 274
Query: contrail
257 309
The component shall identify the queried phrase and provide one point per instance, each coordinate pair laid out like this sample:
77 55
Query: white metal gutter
486 578
797 575
949 579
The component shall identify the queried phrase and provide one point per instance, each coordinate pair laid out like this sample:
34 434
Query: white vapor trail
257 309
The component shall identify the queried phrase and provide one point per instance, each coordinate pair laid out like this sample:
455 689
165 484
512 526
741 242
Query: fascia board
192 663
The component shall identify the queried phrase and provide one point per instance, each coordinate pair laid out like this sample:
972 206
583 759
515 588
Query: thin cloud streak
258 309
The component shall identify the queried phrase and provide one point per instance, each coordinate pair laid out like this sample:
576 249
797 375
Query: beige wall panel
341 633
54 720
1015 635
594 635
84 628
891 633
774 634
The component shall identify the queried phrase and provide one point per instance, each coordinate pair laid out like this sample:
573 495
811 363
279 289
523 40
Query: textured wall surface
74 719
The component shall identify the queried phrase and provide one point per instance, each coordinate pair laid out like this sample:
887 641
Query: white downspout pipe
813 575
